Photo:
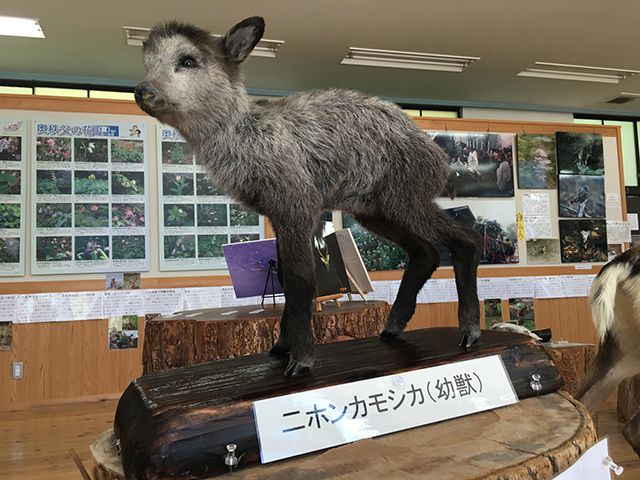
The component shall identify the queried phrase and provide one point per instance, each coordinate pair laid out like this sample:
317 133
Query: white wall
516 115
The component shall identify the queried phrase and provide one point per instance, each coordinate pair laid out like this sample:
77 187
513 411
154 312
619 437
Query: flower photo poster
12 195
196 218
89 184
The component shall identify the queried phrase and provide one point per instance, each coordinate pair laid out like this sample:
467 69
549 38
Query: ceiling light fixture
580 73
20 27
409 60
265 48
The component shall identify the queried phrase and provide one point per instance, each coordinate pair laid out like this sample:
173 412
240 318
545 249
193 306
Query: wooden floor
34 443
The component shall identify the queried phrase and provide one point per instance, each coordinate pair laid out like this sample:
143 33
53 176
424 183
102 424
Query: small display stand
178 423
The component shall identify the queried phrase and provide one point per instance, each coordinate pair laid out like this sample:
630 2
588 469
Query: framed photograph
377 253
583 241
580 153
543 252
492 311
482 163
537 163
494 220
581 196
521 312
10 148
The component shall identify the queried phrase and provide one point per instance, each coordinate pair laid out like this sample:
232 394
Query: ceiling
85 44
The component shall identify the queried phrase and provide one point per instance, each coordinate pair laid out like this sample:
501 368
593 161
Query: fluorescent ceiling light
412 60
20 27
580 73
265 48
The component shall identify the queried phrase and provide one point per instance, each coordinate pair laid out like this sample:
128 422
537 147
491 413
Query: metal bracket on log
178 423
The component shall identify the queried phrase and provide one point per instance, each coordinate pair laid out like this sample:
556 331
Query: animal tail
450 186
603 295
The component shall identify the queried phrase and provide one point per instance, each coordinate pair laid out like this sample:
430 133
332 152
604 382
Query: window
629 130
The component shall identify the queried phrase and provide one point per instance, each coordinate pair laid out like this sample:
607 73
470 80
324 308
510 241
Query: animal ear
242 38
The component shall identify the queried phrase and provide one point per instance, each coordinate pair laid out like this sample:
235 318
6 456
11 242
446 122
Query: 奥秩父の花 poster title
90 187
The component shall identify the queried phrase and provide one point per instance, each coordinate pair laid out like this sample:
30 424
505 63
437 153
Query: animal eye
188 62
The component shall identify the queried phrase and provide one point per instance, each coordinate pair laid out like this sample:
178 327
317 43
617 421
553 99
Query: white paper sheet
165 301
123 302
202 297
492 288
618 232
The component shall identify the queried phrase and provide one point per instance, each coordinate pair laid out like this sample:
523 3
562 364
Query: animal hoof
389 334
469 337
298 367
279 351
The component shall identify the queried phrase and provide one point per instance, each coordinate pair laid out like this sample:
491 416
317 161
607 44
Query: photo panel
537 162
583 241
521 312
580 153
494 220
482 163
196 218
581 196
89 199
543 252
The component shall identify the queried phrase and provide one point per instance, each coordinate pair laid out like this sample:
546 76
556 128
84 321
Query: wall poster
196 219
12 196
90 199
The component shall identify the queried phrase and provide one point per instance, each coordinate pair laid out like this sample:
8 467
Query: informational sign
304 422
196 218
90 202
594 464
12 195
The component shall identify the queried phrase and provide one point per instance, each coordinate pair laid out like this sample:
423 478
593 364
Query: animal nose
144 92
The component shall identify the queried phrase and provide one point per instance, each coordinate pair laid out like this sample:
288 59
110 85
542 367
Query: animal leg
423 261
608 369
464 244
297 270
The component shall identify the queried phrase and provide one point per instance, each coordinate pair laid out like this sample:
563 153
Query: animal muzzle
145 95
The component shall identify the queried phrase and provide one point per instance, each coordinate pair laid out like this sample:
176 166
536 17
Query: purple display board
248 264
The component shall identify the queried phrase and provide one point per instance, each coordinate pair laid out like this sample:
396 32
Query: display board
12 195
195 217
89 196
538 196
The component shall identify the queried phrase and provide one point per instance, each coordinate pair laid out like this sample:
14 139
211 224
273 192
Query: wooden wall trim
69 104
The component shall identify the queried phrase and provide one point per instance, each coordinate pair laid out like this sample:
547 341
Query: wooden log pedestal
629 398
176 423
534 439
572 360
198 336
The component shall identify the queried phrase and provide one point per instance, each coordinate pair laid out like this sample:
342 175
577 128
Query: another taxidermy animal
292 158
615 307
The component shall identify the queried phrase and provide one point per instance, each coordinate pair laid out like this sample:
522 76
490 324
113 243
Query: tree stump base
629 399
572 361
199 336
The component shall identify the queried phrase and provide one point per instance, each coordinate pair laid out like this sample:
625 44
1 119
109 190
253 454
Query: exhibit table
198 336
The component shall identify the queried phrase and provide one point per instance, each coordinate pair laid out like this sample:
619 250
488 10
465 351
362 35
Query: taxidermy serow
615 308
294 157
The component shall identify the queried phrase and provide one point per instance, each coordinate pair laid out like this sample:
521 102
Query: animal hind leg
464 243
423 261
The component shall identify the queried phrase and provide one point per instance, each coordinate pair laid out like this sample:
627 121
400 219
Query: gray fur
293 157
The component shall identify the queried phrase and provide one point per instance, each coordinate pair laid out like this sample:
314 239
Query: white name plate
304 422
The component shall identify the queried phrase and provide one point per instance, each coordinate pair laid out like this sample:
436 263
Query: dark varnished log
177 423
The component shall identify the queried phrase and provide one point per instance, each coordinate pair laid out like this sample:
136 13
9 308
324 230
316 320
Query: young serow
294 157
615 307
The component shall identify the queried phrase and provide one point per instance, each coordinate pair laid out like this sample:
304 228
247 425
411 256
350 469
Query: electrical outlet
17 370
